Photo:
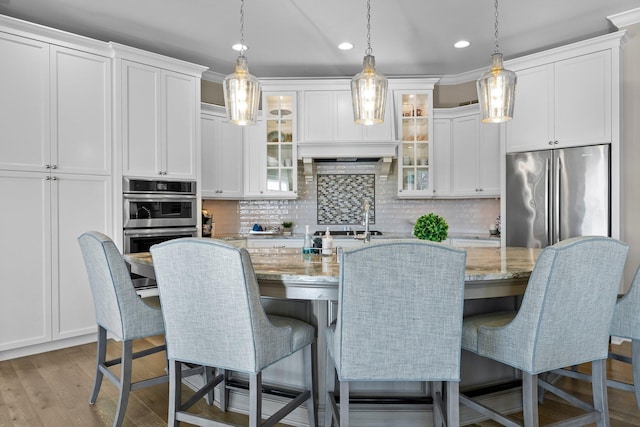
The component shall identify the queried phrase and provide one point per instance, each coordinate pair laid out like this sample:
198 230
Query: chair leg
344 404
125 381
330 381
307 354
453 404
208 375
101 357
255 400
635 368
175 391
436 395
599 386
224 391
530 399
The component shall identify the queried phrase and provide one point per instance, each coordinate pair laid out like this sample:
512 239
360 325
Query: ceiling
299 38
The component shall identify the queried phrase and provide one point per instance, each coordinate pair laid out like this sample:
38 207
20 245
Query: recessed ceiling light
461 44
345 46
239 46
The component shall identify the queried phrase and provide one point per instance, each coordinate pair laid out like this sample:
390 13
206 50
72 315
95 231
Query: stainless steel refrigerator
552 195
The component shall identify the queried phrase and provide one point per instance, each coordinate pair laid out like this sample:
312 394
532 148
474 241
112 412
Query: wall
393 215
631 149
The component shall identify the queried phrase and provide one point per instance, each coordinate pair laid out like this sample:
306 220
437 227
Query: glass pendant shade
241 94
369 94
496 92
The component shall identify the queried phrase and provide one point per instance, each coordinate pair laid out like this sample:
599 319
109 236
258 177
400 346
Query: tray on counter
265 232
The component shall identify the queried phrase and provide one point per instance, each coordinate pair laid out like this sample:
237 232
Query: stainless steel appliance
552 195
156 211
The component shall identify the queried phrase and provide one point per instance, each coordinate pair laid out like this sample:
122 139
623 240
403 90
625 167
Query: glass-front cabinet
272 149
414 150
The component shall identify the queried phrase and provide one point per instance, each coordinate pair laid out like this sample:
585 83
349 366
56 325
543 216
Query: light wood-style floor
52 389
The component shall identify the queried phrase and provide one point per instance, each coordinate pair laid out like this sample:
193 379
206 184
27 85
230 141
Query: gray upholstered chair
399 319
120 312
213 317
625 324
564 320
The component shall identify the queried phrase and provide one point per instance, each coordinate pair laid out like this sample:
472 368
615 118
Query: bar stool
120 312
213 317
399 319
625 324
564 320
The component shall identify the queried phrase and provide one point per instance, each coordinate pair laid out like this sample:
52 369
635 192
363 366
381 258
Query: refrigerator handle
548 201
556 202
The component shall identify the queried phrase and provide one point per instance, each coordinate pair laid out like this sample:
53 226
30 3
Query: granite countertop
290 265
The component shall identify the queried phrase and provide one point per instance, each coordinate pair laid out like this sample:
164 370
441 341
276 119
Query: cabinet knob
555 142
48 178
53 178
550 142
47 166
54 166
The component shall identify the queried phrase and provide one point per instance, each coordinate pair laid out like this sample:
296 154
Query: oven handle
155 196
138 232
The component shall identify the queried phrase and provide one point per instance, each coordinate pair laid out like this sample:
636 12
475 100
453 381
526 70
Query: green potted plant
287 227
431 227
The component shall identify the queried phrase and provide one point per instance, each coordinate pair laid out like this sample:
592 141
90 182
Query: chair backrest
211 305
117 306
626 319
400 312
568 306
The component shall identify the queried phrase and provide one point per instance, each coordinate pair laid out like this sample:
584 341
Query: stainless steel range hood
347 151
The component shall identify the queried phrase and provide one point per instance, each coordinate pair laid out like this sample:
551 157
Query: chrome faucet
365 222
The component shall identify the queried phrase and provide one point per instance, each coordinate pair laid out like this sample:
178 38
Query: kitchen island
305 286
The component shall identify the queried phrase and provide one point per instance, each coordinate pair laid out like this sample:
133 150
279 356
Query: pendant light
497 87
369 88
241 89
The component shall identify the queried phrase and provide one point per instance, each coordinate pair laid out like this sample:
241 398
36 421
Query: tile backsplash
392 215
341 197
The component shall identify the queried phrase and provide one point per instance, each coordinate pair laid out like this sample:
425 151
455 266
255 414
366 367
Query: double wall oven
156 211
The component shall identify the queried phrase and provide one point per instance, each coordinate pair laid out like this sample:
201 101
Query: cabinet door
141 125
79 203
81 111
464 146
25 259
179 125
442 157
24 105
318 116
489 160
532 125
208 134
229 160
345 128
583 100
255 161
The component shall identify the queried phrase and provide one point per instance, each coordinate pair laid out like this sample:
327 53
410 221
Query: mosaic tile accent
342 196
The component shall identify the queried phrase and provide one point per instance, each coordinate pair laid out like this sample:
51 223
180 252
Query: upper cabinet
563 104
57 109
160 112
467 153
328 116
222 155
414 121
271 165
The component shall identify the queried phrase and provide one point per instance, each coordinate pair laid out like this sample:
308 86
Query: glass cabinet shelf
415 136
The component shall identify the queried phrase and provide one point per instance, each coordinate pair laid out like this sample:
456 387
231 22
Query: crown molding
624 19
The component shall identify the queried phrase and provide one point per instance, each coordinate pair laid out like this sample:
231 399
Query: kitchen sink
347 232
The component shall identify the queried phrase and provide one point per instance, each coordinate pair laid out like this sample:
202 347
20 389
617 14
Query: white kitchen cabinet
442 154
414 121
471 167
160 112
271 166
563 104
56 109
46 296
222 155
328 116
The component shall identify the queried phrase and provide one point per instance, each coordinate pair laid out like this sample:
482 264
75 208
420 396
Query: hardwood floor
52 389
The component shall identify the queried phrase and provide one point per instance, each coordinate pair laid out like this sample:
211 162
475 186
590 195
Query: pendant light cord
369 51
496 34
242 47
